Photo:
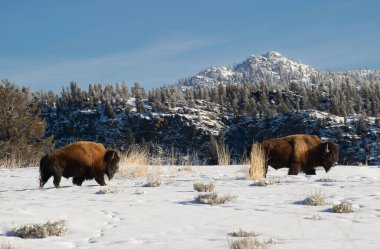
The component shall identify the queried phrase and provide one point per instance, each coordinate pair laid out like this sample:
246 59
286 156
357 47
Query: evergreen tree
22 131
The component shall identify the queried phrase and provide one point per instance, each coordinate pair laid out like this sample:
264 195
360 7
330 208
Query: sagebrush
204 187
249 243
243 233
316 199
38 231
214 198
343 207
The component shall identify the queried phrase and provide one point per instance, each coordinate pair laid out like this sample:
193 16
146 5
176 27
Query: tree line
255 98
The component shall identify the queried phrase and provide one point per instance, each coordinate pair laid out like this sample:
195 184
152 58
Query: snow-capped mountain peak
271 66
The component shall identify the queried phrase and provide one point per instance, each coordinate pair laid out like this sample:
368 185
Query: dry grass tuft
108 190
264 182
243 233
316 217
33 231
9 246
258 163
187 168
214 198
154 178
326 179
343 207
139 192
153 181
204 187
317 199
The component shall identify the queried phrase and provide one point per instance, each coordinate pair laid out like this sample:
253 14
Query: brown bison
300 153
80 160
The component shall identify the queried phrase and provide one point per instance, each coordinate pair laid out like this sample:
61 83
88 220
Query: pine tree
22 130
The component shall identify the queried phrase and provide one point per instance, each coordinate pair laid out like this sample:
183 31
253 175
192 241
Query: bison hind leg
44 177
78 180
294 169
57 180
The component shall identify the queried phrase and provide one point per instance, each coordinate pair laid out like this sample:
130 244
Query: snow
168 216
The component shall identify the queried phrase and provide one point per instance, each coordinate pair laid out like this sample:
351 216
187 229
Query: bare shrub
204 187
243 233
316 199
343 207
33 231
257 169
214 198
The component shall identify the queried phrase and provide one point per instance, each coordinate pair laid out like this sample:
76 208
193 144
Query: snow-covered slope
168 216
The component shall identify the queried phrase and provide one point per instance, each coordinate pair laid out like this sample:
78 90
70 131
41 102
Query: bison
300 153
82 161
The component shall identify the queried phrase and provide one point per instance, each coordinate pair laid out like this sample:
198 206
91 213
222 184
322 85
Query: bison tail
45 171
44 162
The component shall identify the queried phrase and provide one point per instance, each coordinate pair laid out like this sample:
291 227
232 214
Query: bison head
112 160
329 153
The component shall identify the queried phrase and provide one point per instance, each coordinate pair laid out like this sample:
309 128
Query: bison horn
113 155
327 148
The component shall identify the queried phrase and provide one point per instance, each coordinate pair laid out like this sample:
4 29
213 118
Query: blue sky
46 44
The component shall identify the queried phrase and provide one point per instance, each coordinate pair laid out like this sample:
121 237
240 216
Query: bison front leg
100 179
78 180
310 172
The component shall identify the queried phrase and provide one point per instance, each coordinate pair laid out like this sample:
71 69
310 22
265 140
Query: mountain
271 67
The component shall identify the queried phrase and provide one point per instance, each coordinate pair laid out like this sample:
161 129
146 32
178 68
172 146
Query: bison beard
300 153
80 160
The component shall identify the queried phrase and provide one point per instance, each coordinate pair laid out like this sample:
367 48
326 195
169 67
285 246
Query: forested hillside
263 97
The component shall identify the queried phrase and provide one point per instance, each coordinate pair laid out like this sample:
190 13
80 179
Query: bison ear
111 156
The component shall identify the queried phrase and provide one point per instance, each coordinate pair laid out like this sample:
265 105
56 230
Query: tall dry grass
17 161
134 162
224 155
257 169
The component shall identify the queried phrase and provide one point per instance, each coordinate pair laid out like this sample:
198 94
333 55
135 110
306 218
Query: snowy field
130 215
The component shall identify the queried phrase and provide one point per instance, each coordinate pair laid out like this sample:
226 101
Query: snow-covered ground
168 216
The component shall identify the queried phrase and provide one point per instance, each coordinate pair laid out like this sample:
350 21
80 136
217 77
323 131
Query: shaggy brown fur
82 161
300 153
